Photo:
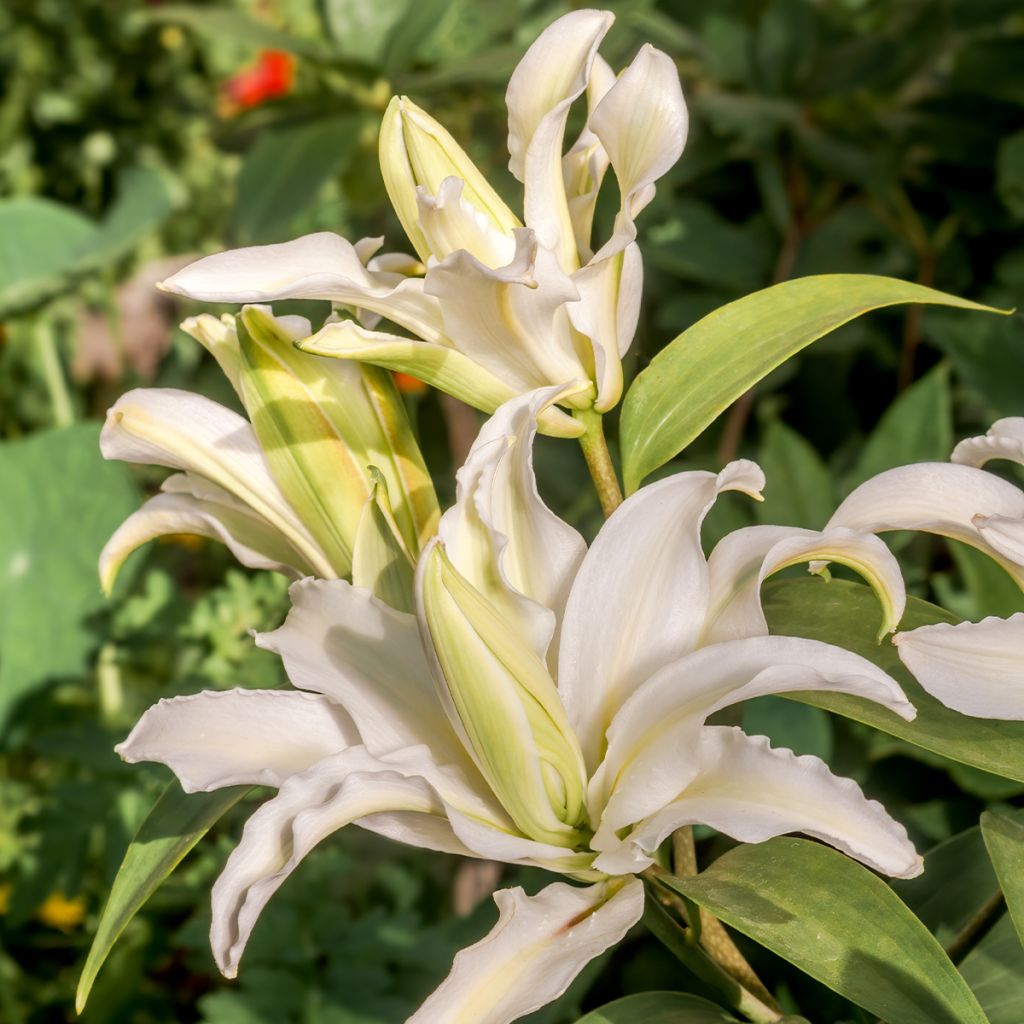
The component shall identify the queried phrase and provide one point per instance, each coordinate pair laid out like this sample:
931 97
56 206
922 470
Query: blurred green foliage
879 136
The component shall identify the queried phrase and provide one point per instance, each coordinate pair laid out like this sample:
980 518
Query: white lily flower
974 668
323 479
546 705
506 305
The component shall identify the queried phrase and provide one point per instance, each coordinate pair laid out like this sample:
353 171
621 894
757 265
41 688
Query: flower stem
661 921
599 460
53 375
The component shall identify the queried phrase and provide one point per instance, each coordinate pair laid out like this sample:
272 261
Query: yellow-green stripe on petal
503 701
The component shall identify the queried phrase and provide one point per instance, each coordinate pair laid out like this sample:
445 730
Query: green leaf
175 824
917 427
699 374
798 727
39 240
957 882
410 33
1004 840
284 172
799 490
61 502
839 923
995 971
143 201
658 1008
847 613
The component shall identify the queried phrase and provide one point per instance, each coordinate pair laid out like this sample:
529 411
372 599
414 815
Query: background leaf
61 502
658 1008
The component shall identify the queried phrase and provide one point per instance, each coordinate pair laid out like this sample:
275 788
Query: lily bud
417 157
380 561
321 427
503 702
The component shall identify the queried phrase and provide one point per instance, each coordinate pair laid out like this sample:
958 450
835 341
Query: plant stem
662 923
53 374
976 928
599 460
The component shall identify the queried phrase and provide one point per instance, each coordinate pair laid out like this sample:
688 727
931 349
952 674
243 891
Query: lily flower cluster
481 683
504 305
546 704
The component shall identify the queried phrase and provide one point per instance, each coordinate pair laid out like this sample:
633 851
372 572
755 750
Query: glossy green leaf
699 374
847 614
175 824
1004 839
60 503
839 923
917 427
658 1008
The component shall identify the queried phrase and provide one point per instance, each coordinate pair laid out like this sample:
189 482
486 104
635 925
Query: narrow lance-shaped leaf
175 824
840 611
839 923
700 373
1004 839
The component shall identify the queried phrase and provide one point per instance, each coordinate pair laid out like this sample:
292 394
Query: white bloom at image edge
976 668
545 705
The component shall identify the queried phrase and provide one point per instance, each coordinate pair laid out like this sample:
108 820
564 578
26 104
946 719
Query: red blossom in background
270 77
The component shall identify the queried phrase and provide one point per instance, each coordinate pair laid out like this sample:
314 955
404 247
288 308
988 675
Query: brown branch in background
912 333
461 423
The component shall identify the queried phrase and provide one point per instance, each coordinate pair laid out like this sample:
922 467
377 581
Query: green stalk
599 460
53 375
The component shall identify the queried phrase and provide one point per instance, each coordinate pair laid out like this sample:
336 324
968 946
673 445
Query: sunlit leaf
1004 839
175 824
699 374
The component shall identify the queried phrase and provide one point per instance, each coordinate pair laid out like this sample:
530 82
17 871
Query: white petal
246 535
533 953
440 366
745 558
220 338
512 321
553 72
650 741
331 794
450 222
317 266
221 738
1004 440
488 839
343 642
751 792
976 668
639 599
1005 536
182 430
584 166
610 288
935 497
642 124
500 535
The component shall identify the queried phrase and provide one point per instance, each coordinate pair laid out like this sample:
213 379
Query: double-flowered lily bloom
544 705
976 668
504 306
323 479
